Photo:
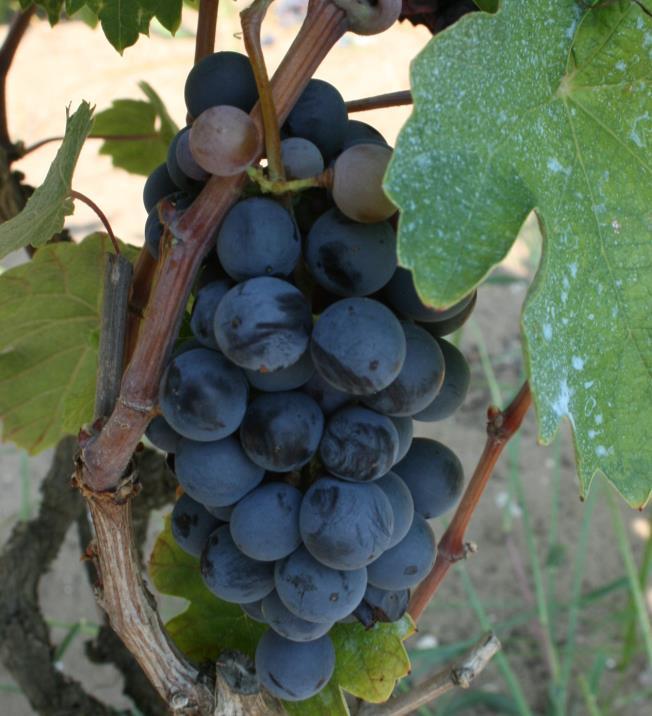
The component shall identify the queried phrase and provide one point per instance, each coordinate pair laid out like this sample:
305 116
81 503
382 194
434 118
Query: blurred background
555 578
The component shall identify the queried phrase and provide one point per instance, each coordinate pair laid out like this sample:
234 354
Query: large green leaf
368 661
546 105
49 336
46 210
135 117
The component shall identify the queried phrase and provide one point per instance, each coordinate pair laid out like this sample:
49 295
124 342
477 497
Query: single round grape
358 183
453 321
358 346
231 575
191 525
359 444
401 294
290 378
203 312
361 133
254 611
202 395
216 473
263 324
224 140
281 431
434 476
158 185
186 162
406 564
162 435
345 525
221 78
288 625
349 258
457 376
319 116
419 381
315 592
291 670
258 237
301 158
405 428
265 523
179 177
400 498
382 605
328 398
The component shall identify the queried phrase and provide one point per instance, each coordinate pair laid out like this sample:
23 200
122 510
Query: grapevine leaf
329 701
559 119
136 117
369 662
45 211
73 6
49 336
167 12
208 625
52 8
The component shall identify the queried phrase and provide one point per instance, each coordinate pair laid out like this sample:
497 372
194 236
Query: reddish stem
17 29
501 426
100 215
380 101
206 29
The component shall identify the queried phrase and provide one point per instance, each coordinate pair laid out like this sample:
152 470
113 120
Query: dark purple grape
434 476
191 525
231 575
419 381
315 592
292 670
263 324
265 523
359 444
358 346
457 377
202 317
281 431
407 563
345 525
216 473
202 395
349 258
219 79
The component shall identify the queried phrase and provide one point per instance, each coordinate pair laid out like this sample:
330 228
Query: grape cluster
289 415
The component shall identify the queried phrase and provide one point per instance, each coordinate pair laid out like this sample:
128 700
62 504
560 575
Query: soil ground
61 66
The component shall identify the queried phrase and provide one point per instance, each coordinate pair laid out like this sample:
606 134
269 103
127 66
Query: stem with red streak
501 426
